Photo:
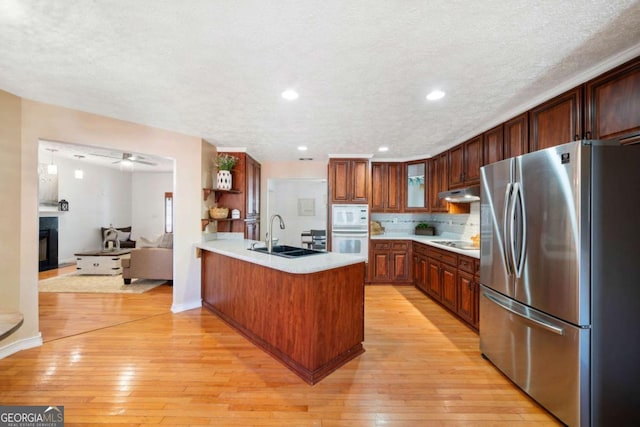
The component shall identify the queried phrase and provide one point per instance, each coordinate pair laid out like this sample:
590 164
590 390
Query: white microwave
350 217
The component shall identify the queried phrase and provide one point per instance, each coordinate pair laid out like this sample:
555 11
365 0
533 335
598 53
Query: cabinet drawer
400 246
420 249
443 256
381 245
466 263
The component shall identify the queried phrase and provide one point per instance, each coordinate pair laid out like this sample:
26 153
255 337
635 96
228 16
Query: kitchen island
306 312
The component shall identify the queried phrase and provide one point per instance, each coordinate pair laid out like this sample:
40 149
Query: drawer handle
544 325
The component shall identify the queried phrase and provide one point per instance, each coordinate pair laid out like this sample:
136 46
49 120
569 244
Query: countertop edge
428 240
304 265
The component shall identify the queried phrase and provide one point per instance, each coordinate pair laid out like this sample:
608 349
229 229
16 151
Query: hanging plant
225 162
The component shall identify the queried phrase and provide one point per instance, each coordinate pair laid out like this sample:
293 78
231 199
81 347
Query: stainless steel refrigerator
560 275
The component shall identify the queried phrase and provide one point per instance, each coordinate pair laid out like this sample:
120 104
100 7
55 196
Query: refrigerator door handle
540 323
517 257
506 245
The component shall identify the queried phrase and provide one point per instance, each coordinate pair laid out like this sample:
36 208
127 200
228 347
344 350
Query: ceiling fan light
52 169
78 173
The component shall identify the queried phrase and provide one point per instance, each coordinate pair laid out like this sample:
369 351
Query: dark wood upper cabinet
416 186
349 180
253 187
516 136
387 187
613 104
464 163
556 121
438 181
493 145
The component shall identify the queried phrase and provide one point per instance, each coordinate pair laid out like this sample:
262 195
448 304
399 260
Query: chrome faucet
270 233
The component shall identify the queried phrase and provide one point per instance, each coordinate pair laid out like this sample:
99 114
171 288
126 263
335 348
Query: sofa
124 237
148 263
155 261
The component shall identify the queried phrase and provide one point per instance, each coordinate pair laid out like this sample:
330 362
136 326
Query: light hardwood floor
127 360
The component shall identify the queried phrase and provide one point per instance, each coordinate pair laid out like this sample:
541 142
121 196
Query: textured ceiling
215 69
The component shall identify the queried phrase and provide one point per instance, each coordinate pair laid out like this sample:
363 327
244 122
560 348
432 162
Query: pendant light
78 173
52 169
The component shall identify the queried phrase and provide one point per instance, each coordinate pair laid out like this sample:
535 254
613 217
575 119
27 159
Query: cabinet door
420 272
516 136
434 286
380 266
339 181
557 121
456 166
449 275
438 181
386 187
377 187
252 230
359 180
467 307
400 263
473 160
613 104
394 185
415 189
253 188
493 146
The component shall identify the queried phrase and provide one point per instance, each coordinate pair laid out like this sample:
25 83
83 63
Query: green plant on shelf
225 162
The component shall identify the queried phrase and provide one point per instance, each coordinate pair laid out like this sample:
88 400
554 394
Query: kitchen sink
287 251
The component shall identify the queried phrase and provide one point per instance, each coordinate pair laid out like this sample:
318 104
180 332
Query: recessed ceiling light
302 148
383 149
290 94
435 95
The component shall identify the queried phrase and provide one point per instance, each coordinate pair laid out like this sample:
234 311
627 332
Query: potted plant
425 229
224 163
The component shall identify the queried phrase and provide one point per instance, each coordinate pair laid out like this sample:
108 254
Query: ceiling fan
128 157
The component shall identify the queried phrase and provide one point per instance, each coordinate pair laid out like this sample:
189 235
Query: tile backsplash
464 225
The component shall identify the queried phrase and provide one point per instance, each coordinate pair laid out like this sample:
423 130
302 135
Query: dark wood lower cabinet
449 279
389 262
467 307
313 323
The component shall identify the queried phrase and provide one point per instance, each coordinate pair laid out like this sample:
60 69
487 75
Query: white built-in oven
350 229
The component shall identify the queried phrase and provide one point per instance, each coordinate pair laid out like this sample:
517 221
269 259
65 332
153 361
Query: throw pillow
143 242
166 241
122 236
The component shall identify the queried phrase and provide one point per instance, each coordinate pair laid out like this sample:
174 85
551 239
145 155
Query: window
168 212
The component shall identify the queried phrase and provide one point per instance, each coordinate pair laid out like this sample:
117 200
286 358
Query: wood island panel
313 323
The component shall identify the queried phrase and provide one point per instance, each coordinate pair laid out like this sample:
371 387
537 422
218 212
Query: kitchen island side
308 313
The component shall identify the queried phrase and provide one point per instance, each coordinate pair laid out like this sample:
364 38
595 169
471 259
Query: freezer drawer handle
544 325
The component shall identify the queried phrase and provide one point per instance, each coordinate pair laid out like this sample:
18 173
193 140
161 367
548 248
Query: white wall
147 201
101 198
283 197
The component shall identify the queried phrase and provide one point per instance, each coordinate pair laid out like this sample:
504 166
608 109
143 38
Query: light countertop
428 240
308 264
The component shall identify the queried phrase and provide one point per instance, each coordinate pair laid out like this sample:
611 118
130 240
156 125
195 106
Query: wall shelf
206 221
217 193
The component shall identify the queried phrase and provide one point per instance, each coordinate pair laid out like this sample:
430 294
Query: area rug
97 284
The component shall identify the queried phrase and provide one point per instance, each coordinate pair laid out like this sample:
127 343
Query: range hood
461 195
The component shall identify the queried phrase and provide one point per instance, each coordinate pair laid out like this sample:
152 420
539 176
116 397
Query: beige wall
43 121
10 212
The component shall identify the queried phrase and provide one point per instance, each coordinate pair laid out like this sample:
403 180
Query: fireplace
48 244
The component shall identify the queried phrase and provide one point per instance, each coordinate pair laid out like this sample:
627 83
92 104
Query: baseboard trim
177 308
23 344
